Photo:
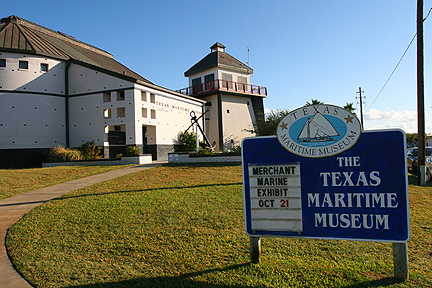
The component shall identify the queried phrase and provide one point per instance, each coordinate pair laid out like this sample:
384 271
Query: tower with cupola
233 103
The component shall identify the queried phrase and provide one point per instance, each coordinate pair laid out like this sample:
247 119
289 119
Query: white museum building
58 91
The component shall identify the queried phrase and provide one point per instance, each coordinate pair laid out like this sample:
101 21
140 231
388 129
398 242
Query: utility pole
361 106
420 97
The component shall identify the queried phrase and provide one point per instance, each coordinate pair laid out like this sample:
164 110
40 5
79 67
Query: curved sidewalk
13 208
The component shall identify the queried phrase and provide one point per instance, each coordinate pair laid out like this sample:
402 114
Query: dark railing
224 85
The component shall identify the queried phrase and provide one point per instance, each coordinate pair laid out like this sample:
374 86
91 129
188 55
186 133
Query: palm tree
349 107
314 102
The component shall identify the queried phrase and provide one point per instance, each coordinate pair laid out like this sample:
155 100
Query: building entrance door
144 137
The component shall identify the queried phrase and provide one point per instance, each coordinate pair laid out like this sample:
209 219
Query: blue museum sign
353 187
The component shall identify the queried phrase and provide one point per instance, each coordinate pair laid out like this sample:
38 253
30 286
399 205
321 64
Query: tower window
227 81
107 113
143 96
121 95
44 67
121 112
2 63
23 65
106 97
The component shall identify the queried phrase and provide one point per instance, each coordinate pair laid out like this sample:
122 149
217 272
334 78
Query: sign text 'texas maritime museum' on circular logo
318 131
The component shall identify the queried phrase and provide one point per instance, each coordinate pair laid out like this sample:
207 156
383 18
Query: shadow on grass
204 164
185 280
147 190
377 283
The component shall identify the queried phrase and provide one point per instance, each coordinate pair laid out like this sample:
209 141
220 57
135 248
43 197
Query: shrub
64 154
133 151
187 140
90 150
236 149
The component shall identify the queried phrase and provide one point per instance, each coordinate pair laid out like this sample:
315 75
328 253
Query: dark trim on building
32 92
258 107
101 91
33 52
159 152
67 93
68 64
220 121
23 158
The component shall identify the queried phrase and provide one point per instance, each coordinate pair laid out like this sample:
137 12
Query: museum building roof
20 35
218 58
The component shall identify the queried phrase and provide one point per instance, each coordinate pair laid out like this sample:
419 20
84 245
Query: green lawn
18 181
183 226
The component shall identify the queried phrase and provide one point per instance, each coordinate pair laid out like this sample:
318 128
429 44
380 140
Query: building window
23 65
152 98
153 114
144 112
242 83
121 112
196 85
227 81
106 97
143 96
44 67
209 82
2 63
107 113
121 95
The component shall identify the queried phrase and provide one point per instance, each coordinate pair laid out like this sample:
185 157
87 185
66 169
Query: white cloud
405 120
394 115
268 110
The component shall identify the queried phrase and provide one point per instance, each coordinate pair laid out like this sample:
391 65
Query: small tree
89 150
60 153
267 125
187 140
314 102
349 107
132 151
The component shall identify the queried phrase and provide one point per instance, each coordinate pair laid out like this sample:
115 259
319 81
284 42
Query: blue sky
299 50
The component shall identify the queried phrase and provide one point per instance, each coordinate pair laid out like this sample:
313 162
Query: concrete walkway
13 208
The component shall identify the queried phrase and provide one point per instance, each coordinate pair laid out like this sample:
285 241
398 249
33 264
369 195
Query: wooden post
400 260
255 249
420 95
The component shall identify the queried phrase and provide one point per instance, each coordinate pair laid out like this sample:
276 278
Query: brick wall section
184 158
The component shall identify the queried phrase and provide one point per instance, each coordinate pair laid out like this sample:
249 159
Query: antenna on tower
248 55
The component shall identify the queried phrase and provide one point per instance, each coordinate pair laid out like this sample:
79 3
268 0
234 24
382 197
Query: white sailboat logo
317 129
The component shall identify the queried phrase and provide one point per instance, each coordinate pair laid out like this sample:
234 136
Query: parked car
412 155
429 168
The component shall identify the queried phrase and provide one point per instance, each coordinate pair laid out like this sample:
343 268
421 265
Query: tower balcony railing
223 85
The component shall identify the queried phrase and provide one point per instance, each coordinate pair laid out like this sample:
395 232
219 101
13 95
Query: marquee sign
360 193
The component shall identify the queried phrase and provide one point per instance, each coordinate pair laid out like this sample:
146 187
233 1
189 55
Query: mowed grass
18 181
183 226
